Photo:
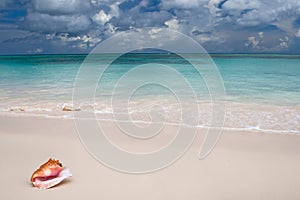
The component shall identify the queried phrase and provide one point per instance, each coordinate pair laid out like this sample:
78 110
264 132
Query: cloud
60 7
38 50
3 3
172 24
59 23
207 37
102 17
220 25
79 41
241 4
146 19
261 34
186 4
256 42
253 12
268 43
283 42
297 34
252 42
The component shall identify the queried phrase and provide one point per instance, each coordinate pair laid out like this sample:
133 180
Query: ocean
262 91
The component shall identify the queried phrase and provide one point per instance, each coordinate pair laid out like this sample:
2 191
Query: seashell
70 108
50 174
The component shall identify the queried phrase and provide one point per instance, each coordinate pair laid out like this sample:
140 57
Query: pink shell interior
50 181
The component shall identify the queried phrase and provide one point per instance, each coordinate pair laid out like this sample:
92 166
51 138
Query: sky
220 26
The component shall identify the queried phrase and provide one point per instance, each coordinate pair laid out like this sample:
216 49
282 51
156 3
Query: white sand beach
243 165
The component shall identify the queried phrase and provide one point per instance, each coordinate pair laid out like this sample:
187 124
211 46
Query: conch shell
50 174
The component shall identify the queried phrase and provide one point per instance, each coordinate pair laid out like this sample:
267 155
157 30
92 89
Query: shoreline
273 119
244 165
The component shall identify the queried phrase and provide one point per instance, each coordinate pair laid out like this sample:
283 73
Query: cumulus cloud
102 16
172 23
256 42
211 18
283 42
233 25
269 43
252 42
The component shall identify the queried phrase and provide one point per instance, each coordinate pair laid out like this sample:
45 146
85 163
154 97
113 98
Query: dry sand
243 165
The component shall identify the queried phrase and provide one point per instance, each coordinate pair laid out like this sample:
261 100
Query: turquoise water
261 88
265 79
254 78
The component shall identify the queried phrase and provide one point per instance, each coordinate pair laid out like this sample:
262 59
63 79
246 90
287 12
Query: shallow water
262 91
